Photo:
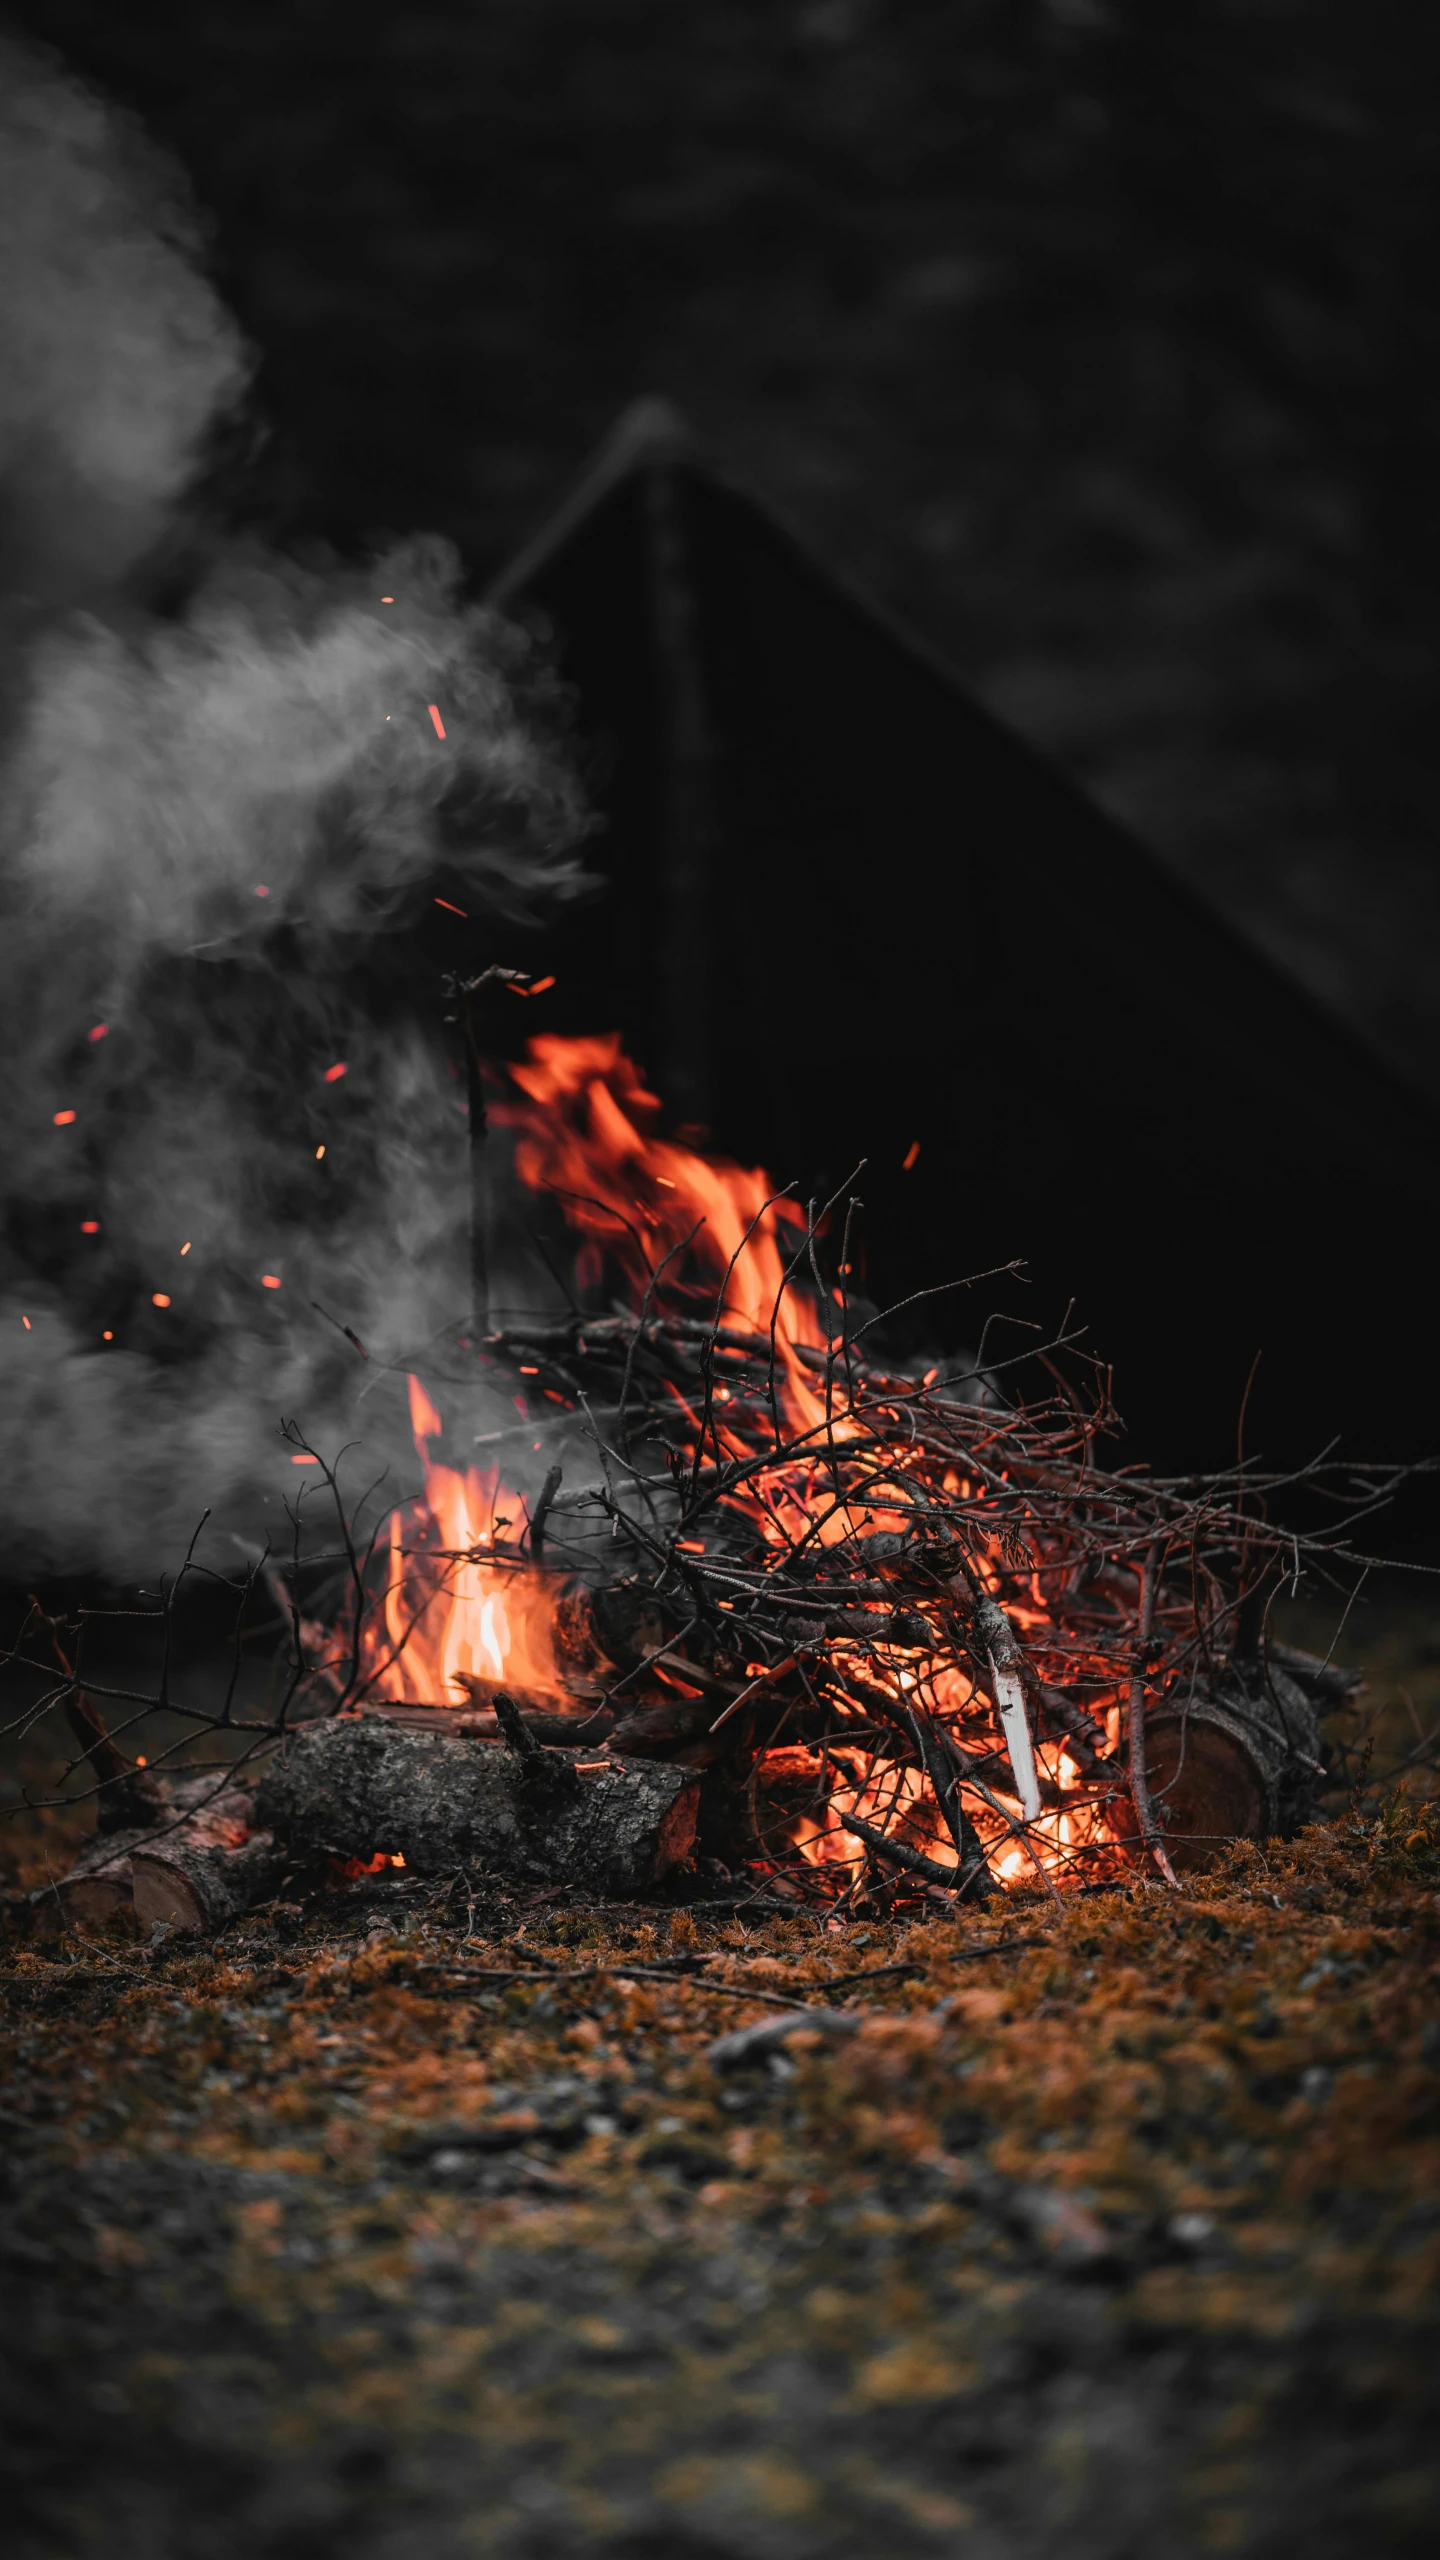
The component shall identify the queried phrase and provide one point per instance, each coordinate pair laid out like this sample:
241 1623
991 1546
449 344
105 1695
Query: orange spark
334 1074
387 599
27 1324
262 893
305 1461
99 1031
913 1152
63 1119
140 1760
319 1153
107 1337
269 1280
454 910
89 1226
439 723
691 1546
184 1249
541 984
159 1299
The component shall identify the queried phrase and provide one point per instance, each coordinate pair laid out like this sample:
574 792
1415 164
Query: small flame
458 1604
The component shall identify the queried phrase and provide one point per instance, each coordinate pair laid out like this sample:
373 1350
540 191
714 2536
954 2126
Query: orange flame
456 1606
584 1133
463 1609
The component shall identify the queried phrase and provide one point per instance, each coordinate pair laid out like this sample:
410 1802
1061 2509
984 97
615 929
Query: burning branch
877 1611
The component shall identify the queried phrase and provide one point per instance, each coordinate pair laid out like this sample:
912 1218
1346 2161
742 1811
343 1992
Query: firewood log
211 1867
358 1786
198 1864
100 1884
1240 1763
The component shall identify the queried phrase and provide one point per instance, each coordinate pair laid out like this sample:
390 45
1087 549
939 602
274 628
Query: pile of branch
902 1626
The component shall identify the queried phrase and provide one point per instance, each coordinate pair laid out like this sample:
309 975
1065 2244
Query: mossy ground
1127 2241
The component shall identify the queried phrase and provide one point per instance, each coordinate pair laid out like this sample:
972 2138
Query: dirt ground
316 2239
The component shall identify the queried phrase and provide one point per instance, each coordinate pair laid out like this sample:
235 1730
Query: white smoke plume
214 822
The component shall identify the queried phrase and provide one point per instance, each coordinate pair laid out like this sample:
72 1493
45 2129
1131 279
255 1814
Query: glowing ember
159 1299
439 723
63 1119
454 910
98 1032
89 1226
334 1074
269 1280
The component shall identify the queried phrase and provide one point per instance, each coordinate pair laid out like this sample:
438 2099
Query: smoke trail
214 828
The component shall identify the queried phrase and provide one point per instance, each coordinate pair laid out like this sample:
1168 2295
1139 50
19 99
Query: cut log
99 1886
207 1870
1241 1764
198 1867
361 1786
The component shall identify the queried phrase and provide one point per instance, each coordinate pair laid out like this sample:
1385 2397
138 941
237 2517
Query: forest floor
1116 2224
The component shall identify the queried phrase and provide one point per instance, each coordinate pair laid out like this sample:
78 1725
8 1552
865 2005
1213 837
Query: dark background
1098 339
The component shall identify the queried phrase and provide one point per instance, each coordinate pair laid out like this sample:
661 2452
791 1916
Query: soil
318 2240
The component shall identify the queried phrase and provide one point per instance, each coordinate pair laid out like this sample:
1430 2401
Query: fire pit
778 1616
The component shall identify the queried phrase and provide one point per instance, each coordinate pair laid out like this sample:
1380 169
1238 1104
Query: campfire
777 1613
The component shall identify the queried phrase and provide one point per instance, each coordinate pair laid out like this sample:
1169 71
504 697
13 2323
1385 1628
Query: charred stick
944 1777
551 1486
130 1798
1141 1797
900 1854
1079 1729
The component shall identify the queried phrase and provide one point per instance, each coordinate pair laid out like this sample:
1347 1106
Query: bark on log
1239 1764
209 1869
100 1885
209 1866
358 1786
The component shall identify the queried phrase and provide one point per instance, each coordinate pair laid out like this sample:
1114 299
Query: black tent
845 910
